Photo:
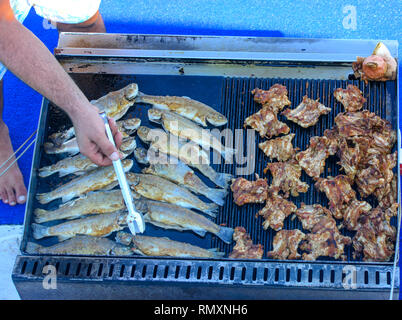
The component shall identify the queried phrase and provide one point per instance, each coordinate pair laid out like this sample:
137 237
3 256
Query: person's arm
28 58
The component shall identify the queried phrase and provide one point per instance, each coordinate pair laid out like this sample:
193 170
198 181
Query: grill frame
362 290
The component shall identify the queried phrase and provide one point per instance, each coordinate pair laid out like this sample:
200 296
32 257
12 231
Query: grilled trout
156 246
187 129
79 164
126 127
97 179
186 107
181 174
83 245
157 188
91 203
115 104
100 225
189 153
171 216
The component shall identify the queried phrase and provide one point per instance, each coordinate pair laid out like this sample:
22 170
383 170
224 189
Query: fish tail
217 195
216 253
44 198
39 231
223 179
225 234
41 215
33 247
212 209
46 171
228 154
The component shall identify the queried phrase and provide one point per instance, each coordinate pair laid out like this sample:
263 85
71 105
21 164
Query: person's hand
91 136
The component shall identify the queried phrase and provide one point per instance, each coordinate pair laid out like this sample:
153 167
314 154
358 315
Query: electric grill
221 72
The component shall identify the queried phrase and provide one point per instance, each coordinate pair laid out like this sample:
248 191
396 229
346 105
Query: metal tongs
135 220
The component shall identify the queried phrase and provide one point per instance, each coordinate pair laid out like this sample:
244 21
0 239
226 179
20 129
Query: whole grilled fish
97 179
100 225
187 129
171 216
178 172
188 153
91 203
186 107
115 104
83 245
79 164
157 188
156 246
126 127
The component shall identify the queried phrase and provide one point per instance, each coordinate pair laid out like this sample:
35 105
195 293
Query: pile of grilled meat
362 141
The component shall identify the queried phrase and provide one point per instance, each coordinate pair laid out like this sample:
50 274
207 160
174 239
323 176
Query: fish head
155 115
141 155
132 179
131 124
128 144
131 91
149 135
141 206
127 164
217 119
124 238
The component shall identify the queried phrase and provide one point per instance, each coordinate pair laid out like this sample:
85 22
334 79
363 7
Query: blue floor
306 19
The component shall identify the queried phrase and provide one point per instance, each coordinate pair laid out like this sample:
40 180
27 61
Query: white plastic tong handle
135 220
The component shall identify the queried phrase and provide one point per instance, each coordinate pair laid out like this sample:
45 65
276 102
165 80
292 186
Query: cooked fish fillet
93 180
100 225
186 107
90 203
157 188
189 153
80 164
179 173
279 148
352 213
164 247
244 248
315 215
187 129
83 245
171 216
306 113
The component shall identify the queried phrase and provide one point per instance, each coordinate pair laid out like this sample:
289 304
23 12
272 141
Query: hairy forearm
28 58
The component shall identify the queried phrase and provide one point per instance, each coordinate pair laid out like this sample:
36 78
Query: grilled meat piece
352 213
377 173
279 148
387 194
285 245
266 123
276 98
315 215
351 98
244 248
276 210
350 158
338 191
306 113
313 159
245 191
326 243
286 176
375 237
